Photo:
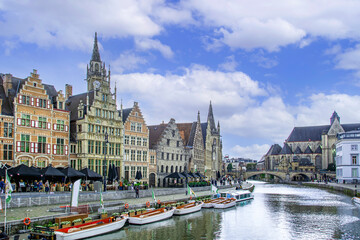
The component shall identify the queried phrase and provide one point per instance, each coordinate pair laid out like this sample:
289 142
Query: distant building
34 126
171 155
315 143
347 157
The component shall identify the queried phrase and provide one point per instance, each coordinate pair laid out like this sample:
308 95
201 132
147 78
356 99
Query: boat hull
225 205
91 232
212 202
183 211
356 200
151 219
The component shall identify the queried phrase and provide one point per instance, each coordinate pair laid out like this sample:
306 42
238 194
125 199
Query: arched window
180 169
167 169
172 169
162 168
176 168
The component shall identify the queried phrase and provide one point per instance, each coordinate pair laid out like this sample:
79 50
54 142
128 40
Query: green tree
251 166
229 167
331 167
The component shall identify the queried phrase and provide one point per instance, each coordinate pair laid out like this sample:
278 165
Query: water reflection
277 212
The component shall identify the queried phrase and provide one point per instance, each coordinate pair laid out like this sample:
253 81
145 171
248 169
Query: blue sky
267 66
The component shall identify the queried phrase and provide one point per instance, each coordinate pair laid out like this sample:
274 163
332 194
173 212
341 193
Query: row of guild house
41 126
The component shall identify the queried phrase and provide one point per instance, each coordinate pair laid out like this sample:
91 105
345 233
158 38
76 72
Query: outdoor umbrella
24 171
175 175
51 172
200 175
91 175
110 176
185 174
72 173
115 173
192 175
138 175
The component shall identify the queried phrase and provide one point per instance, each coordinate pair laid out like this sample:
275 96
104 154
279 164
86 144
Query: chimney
68 91
7 83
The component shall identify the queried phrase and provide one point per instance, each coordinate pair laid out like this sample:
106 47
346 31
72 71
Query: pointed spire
121 110
198 117
95 55
211 118
218 127
109 72
115 90
333 117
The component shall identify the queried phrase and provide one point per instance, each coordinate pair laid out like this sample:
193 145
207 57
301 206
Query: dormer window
81 113
61 105
34 84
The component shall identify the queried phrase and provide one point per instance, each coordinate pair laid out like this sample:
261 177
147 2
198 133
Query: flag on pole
101 199
190 191
153 195
8 189
214 189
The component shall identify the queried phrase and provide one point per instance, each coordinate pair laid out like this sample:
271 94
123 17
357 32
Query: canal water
277 212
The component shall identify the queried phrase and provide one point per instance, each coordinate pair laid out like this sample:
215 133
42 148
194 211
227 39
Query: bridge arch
300 177
251 175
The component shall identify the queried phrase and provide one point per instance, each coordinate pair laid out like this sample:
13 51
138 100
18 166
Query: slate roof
73 102
313 133
318 150
305 162
308 150
203 130
275 149
298 150
187 132
17 83
155 133
286 149
126 113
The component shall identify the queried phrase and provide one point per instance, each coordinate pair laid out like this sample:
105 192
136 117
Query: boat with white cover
94 228
239 195
152 216
356 200
188 208
210 203
230 202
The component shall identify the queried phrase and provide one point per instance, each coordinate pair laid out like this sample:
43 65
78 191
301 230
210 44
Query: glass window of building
8 152
132 126
138 155
41 144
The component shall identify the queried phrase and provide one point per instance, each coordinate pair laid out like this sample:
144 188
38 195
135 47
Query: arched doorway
152 179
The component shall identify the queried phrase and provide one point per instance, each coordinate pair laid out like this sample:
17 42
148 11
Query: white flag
214 189
8 189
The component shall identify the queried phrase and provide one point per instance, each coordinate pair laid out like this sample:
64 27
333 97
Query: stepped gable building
213 146
34 122
171 155
95 124
315 143
191 134
136 145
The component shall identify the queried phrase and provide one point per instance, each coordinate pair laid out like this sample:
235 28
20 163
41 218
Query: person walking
47 186
137 191
2 185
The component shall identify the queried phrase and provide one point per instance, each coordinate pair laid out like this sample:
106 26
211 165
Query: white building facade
347 157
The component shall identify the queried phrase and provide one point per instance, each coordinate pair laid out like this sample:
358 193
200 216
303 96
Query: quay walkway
348 189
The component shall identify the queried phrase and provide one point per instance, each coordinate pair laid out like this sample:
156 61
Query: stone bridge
282 176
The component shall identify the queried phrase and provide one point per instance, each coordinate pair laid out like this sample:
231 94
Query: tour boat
230 202
152 216
188 208
356 200
94 228
210 203
239 195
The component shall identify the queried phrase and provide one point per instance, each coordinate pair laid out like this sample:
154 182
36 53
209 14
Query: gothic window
168 142
167 169
162 168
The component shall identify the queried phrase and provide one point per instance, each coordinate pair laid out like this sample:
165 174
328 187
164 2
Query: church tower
96 72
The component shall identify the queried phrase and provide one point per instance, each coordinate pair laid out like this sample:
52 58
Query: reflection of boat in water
356 200
188 216
86 230
239 195
188 208
227 203
149 227
152 216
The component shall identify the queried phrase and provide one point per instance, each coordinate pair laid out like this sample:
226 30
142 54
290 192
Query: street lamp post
104 165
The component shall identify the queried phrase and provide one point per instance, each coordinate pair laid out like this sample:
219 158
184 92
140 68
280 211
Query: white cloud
254 151
146 44
127 61
229 65
263 61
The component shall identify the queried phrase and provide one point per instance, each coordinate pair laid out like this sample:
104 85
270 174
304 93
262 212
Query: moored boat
210 203
356 200
239 195
91 229
188 208
230 202
152 216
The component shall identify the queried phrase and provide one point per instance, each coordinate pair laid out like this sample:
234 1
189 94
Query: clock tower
96 72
